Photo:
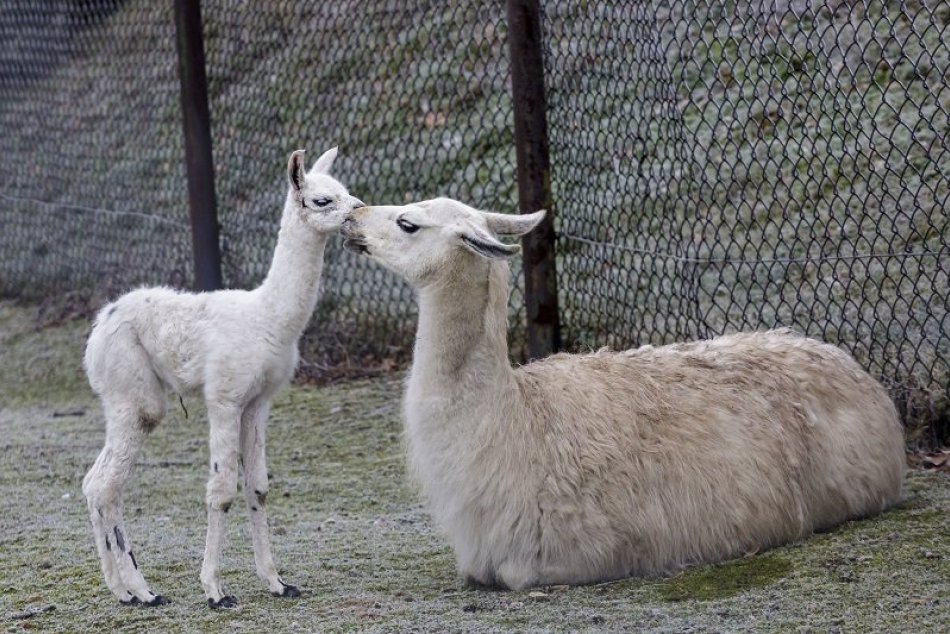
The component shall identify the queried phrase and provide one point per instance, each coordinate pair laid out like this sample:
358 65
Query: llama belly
180 383
178 368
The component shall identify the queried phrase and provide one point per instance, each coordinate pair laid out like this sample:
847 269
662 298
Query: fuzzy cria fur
581 468
240 348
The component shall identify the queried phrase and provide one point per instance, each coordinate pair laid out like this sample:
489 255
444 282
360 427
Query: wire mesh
717 166
724 166
91 178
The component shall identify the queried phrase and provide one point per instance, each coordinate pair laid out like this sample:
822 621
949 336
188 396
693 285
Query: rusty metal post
198 160
534 175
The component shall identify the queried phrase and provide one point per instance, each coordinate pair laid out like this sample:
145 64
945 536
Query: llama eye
407 226
321 202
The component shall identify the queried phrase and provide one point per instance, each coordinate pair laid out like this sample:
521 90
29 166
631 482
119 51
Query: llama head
434 239
322 202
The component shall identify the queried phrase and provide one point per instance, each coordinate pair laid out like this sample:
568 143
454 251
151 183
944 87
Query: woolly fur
582 468
240 347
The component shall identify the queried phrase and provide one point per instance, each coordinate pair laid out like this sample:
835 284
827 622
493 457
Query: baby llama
588 467
240 347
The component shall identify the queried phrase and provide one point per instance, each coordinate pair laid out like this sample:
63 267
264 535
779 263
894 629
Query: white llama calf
580 468
241 347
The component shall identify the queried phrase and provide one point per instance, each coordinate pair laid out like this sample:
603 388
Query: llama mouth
356 245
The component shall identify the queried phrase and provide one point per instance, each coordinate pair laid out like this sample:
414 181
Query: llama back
159 321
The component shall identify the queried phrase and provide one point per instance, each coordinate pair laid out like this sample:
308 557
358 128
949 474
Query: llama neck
292 285
462 340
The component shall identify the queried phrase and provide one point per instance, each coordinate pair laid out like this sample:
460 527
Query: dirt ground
349 530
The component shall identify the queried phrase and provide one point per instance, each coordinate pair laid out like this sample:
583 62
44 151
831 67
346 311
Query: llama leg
126 429
96 499
253 435
517 575
225 420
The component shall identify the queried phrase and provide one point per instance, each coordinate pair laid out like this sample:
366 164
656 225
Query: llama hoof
156 601
291 592
477 584
224 603
133 601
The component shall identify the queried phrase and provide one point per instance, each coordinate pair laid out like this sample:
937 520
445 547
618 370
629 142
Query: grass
348 528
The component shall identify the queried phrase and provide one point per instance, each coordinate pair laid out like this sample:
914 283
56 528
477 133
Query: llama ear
482 244
513 224
295 172
325 162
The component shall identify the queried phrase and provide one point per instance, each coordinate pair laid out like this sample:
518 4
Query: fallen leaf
936 460
434 120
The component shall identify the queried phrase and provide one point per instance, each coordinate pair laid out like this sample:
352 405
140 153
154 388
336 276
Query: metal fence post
534 174
198 160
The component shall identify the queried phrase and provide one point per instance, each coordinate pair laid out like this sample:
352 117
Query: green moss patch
726 580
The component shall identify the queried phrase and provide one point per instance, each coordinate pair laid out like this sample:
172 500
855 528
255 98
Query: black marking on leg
289 591
148 423
108 543
157 600
216 467
226 507
132 600
119 539
225 603
253 508
99 511
132 557
261 497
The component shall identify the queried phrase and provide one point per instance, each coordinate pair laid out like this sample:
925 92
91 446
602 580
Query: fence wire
717 166
91 176
743 165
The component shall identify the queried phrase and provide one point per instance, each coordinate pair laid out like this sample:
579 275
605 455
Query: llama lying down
241 347
581 468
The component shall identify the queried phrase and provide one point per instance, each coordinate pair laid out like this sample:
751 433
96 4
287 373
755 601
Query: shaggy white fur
580 468
241 347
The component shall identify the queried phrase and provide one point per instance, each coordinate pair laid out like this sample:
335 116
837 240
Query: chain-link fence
91 177
717 166
728 166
